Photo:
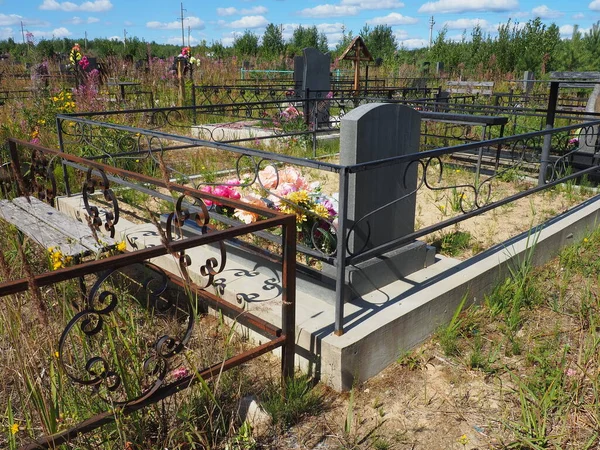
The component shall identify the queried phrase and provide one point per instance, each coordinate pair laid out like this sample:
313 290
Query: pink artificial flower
571 372
293 176
247 216
180 373
268 177
208 190
84 63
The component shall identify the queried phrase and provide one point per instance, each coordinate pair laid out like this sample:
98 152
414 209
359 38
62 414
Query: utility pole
182 27
431 24
85 41
189 34
23 31
124 37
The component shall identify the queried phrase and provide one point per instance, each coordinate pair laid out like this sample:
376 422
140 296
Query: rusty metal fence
80 351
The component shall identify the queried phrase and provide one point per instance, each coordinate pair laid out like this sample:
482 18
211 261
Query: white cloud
6 33
566 31
226 11
56 33
543 12
15 19
328 10
466 24
392 19
193 22
413 43
288 30
176 40
257 10
329 28
231 11
91 6
594 5
116 38
11 19
400 35
250 22
461 6
578 16
78 20
373 4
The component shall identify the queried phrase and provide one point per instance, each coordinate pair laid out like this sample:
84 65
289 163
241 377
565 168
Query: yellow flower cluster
14 428
302 199
64 102
122 246
58 259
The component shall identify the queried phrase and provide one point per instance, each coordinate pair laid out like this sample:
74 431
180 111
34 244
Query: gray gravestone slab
372 132
528 75
298 72
588 136
317 80
439 67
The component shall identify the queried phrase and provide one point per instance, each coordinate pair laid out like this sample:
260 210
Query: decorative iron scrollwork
201 219
40 178
111 218
122 363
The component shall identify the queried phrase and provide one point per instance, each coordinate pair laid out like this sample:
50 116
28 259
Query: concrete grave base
381 325
375 273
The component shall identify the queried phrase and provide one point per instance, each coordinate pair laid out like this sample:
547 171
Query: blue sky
158 20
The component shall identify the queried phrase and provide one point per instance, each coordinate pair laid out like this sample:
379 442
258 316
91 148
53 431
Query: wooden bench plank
39 231
77 230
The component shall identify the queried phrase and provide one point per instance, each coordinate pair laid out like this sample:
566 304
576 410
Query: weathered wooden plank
471 83
470 91
39 231
77 230
592 76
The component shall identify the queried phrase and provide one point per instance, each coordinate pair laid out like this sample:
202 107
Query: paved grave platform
383 324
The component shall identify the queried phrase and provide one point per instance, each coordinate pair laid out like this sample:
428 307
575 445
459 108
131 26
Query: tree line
517 47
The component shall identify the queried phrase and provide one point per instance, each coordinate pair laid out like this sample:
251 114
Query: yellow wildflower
54 99
320 210
56 354
298 196
464 440
121 246
14 428
57 265
585 239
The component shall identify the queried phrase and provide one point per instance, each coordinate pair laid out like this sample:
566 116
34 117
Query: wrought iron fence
128 381
325 237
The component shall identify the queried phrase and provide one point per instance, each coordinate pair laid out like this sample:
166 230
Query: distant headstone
316 78
528 76
442 99
439 67
426 67
298 71
92 64
246 65
372 132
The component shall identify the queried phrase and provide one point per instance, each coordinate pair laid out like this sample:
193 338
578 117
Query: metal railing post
288 303
340 260
61 147
550 115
